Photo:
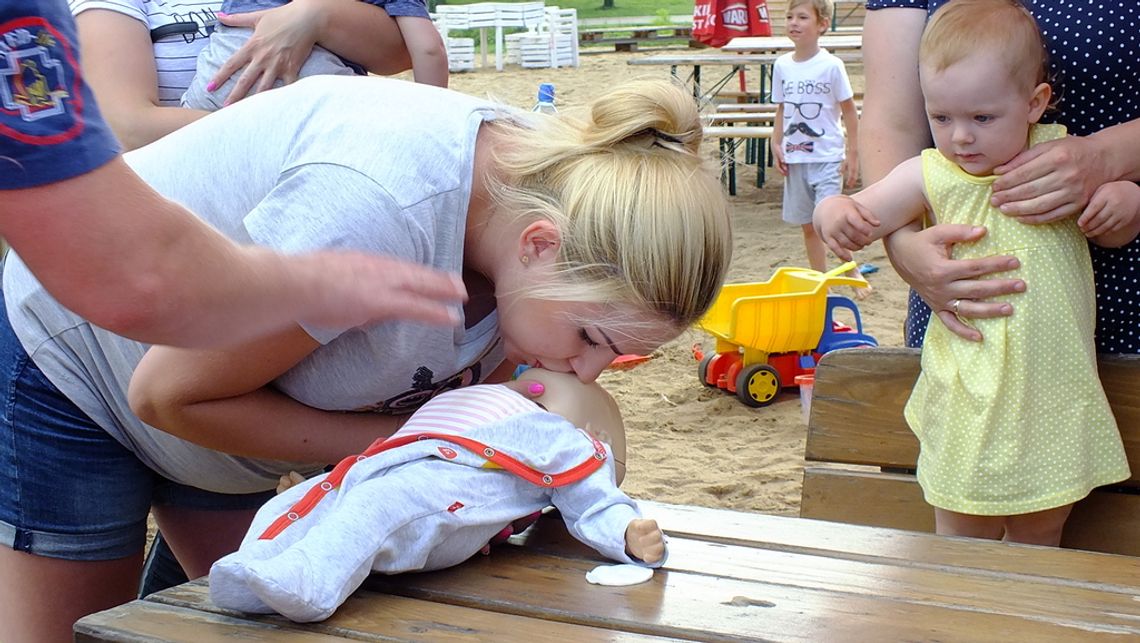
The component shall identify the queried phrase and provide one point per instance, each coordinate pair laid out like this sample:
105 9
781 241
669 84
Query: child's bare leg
952 523
1039 527
429 55
816 251
859 293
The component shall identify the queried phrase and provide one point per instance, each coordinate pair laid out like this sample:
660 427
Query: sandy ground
687 443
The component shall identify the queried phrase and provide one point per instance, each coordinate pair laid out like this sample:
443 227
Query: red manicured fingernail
537 388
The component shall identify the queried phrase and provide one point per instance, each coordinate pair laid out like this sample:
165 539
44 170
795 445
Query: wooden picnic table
730 576
782 44
626 38
736 62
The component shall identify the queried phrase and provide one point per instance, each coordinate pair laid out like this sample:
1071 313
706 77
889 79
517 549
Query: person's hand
1050 181
644 540
529 389
283 38
516 527
952 287
288 481
844 225
346 289
1113 215
781 162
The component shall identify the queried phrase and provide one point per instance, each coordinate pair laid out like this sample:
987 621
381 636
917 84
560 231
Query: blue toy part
868 268
831 339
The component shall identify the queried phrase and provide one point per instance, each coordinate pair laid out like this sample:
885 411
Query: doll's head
586 406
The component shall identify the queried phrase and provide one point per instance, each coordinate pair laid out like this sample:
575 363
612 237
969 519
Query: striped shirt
179 30
458 411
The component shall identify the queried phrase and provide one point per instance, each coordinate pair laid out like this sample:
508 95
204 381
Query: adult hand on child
283 38
644 540
924 260
1050 181
844 225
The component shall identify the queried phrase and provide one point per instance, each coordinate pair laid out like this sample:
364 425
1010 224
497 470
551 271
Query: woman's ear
1039 100
539 241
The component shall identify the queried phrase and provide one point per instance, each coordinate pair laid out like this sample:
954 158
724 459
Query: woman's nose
589 367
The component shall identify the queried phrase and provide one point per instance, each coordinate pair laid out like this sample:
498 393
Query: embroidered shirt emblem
38 81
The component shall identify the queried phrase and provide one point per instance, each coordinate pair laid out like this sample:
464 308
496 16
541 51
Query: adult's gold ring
955 305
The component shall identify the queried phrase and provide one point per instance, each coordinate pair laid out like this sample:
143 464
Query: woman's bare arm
224 400
118 61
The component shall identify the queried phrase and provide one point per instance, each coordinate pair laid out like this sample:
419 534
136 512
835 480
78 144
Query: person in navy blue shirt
1093 50
117 253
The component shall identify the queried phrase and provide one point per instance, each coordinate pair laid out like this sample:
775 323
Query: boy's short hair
1003 28
823 8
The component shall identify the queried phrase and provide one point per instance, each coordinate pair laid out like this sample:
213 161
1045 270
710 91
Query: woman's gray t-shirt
357 163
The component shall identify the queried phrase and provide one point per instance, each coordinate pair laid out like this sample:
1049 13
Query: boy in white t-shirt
812 88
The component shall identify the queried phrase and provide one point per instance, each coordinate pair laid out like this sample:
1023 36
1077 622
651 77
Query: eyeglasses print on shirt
807 111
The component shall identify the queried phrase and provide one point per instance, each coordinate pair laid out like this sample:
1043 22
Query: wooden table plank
723 59
1107 571
386 616
148 621
784 599
759 44
731 576
963 588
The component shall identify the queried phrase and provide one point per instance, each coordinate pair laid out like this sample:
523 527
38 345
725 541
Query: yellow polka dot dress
1019 422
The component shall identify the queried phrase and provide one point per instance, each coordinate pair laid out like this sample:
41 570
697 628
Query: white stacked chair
551 43
460 51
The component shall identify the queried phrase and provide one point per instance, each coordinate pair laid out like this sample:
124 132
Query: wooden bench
731 576
857 419
627 38
729 138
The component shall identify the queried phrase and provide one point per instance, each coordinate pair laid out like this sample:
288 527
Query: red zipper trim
333 480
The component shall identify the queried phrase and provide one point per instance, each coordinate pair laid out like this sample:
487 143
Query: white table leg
499 47
483 45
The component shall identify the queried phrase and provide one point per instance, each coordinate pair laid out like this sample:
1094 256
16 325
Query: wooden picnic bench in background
857 420
731 576
627 38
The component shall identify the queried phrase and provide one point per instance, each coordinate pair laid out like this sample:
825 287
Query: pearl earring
524 259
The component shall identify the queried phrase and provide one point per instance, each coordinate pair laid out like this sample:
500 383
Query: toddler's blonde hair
1002 28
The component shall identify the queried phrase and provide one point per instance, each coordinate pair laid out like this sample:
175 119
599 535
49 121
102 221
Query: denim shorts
67 488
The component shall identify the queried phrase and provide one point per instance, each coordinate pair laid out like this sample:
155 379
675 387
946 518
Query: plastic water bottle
545 102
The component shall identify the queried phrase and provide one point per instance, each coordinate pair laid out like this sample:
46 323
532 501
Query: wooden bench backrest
857 419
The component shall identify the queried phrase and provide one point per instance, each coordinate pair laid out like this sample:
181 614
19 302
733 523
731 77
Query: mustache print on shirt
803 127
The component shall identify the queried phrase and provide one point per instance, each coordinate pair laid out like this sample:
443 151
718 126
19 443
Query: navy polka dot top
1094 55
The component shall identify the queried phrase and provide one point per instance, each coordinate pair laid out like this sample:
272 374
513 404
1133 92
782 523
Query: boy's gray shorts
224 42
806 185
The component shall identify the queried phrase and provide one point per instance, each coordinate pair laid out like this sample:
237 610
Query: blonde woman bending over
580 237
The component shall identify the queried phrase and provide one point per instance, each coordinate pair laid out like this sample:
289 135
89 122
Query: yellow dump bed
785 313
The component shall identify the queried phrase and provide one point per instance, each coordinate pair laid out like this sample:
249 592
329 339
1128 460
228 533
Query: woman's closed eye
586 338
